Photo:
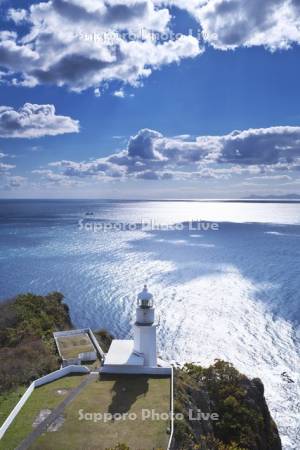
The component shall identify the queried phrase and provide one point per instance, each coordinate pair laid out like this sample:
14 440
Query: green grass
44 397
71 346
122 394
8 401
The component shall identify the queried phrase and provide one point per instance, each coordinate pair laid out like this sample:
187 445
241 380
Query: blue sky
115 130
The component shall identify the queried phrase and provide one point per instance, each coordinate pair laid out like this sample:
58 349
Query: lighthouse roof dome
145 294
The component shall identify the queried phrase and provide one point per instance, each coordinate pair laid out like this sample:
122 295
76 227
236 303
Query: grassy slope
8 400
114 394
44 397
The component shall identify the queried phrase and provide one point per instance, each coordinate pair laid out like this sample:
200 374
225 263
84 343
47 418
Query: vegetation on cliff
244 421
27 349
104 338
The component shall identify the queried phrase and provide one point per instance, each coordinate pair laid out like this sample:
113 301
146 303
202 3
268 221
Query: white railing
70 332
16 409
39 382
96 343
172 411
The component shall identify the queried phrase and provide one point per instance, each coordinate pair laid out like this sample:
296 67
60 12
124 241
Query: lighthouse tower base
145 343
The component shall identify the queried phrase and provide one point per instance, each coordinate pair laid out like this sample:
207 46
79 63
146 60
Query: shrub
27 349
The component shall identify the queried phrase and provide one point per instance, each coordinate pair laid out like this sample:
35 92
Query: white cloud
14 56
17 15
260 153
7 180
13 182
34 121
271 178
228 24
85 44
82 44
120 93
54 178
5 168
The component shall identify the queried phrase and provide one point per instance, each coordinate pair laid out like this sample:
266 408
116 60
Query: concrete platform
121 358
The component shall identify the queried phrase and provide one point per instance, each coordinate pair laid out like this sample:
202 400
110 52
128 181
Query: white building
138 356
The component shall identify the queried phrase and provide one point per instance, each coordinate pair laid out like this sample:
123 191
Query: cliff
235 413
27 349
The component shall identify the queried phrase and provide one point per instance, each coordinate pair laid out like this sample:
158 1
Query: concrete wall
138 370
96 344
87 356
70 332
60 373
58 334
39 382
71 362
16 409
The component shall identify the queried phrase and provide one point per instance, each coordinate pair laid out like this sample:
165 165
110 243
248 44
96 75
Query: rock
243 418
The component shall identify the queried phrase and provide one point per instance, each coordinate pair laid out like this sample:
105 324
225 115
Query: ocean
225 278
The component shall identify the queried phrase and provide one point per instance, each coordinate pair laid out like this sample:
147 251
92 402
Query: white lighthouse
138 355
145 328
